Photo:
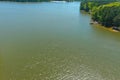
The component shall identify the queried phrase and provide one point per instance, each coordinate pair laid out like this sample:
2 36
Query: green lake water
54 41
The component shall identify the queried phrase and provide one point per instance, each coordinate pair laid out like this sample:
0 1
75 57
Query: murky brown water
54 41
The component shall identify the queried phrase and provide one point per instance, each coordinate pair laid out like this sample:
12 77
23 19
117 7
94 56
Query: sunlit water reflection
54 41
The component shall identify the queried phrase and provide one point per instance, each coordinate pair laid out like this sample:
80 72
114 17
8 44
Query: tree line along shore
104 12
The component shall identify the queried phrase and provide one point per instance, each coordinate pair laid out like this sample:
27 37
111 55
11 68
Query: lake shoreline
98 24
104 27
113 29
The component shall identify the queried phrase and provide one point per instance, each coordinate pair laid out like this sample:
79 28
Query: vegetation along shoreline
104 12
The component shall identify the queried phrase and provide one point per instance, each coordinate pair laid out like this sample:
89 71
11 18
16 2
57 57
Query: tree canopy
106 13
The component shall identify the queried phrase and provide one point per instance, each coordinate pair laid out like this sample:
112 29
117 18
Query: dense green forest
88 5
107 15
104 12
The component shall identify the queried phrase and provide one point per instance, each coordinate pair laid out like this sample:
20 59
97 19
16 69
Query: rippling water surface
54 41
